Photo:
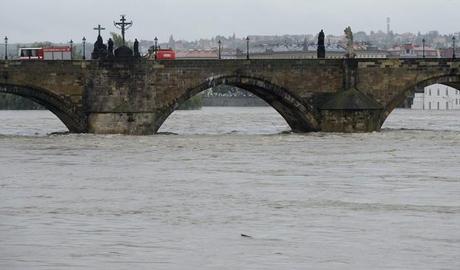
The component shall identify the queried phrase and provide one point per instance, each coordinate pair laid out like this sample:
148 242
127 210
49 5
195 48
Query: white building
437 97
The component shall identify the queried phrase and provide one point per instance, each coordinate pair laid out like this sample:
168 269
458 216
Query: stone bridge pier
136 96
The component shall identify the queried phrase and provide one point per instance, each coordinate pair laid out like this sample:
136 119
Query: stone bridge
137 96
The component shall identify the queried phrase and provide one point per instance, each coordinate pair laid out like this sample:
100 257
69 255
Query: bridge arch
71 116
452 80
299 116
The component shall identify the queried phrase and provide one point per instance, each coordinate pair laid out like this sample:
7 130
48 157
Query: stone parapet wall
136 96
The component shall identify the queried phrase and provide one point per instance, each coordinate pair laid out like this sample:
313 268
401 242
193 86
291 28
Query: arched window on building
447 105
429 105
438 92
438 102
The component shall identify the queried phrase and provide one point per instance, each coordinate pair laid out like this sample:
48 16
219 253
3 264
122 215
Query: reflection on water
385 200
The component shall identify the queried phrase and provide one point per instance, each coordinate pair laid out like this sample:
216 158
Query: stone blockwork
57 85
137 96
390 82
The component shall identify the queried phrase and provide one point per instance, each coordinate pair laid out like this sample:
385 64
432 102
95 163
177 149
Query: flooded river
388 200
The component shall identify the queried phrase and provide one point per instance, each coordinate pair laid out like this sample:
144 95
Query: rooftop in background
197 54
413 51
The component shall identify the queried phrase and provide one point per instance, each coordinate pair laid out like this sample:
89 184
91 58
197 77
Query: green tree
13 102
117 39
194 103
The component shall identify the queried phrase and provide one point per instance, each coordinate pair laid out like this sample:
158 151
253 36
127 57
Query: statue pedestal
124 53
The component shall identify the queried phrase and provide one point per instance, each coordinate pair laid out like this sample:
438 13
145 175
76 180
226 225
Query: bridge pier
351 111
350 121
122 123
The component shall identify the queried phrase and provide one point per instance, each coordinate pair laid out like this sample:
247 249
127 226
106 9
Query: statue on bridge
123 52
100 49
321 52
350 48
110 48
136 49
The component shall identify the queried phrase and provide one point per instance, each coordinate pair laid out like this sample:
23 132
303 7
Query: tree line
13 102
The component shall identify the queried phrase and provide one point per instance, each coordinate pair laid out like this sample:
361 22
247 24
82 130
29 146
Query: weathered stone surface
121 123
136 97
351 120
57 85
350 99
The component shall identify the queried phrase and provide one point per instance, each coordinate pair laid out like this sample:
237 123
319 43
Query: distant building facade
449 52
197 54
412 51
437 97
333 51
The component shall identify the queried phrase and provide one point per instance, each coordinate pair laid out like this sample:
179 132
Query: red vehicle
31 53
51 53
165 54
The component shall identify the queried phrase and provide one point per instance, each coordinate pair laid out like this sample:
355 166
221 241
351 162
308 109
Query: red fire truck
165 54
51 53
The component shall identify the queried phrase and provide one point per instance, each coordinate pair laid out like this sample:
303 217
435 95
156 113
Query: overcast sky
62 20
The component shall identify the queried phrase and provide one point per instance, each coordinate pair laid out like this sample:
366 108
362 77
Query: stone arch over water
299 116
71 116
452 80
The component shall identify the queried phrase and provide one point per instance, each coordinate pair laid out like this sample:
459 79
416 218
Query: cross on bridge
123 25
99 28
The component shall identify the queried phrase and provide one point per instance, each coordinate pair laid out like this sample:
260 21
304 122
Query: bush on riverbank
194 103
13 102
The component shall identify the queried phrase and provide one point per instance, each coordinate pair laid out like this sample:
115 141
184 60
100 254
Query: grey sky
62 20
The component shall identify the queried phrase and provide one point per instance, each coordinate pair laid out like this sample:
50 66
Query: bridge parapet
136 97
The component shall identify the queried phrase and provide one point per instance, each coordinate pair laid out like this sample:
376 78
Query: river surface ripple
388 200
